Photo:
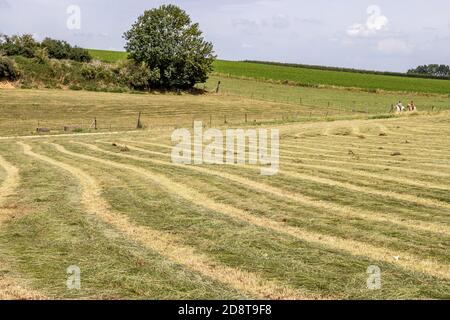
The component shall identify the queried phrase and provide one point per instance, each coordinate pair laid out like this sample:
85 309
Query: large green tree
169 43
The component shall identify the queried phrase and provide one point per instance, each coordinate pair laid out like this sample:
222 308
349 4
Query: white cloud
375 22
394 46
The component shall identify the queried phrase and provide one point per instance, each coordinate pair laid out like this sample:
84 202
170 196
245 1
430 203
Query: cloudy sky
376 34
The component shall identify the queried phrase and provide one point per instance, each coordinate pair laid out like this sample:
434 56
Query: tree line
435 70
166 50
26 46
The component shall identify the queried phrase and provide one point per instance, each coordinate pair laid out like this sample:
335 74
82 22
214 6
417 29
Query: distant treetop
435 70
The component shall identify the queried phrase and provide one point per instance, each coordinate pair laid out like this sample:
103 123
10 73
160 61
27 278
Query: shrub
23 45
8 69
97 71
137 75
41 56
59 49
79 54
27 47
88 72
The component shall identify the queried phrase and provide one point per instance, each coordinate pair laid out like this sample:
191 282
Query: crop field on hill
311 77
350 194
108 56
315 77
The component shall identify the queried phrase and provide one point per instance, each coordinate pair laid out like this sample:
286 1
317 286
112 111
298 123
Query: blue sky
379 35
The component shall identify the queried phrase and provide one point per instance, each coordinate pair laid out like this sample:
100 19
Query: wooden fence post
218 87
139 124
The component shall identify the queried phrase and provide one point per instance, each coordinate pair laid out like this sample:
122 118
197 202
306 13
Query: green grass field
107 56
332 100
312 77
357 188
23 110
142 227
315 77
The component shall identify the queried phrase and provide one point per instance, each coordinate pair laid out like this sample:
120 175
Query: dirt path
353 247
68 135
9 287
169 246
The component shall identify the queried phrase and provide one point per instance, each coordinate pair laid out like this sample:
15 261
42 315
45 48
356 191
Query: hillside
313 76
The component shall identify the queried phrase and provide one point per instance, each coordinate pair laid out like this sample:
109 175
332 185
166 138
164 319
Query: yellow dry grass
330 207
408 261
167 245
11 288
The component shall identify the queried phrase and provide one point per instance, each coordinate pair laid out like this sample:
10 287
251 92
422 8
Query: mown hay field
23 110
350 194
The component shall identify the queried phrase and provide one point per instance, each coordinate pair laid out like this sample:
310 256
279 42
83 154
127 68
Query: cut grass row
58 233
72 147
264 231
132 157
165 244
359 218
434 199
305 200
